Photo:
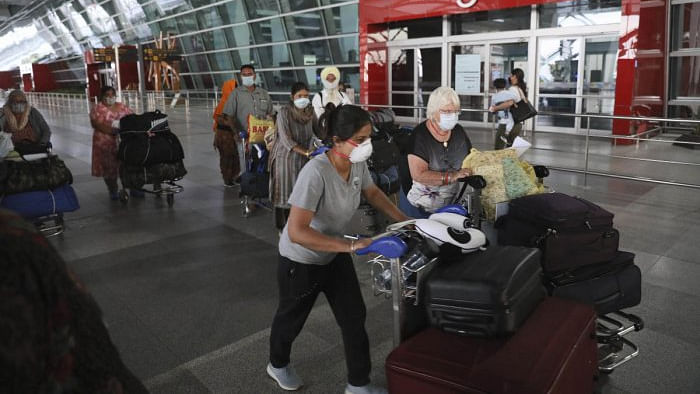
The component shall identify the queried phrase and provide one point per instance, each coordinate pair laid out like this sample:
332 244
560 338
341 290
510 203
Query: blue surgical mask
301 102
248 80
448 121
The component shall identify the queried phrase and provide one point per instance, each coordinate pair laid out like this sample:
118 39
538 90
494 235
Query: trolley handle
389 246
475 181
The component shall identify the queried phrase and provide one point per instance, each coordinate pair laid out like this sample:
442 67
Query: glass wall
684 65
286 40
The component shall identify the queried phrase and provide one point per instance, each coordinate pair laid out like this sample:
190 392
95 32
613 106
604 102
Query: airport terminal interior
189 289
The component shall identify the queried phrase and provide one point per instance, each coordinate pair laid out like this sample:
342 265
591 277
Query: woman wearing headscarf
23 121
330 78
104 119
295 134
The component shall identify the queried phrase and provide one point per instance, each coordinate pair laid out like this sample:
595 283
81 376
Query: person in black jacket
53 338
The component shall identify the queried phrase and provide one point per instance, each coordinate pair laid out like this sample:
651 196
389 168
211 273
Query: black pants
299 286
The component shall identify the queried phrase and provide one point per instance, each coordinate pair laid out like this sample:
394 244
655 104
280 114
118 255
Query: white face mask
248 80
110 100
18 108
448 121
361 152
330 85
301 102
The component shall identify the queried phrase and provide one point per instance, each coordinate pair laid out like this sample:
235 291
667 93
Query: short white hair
441 97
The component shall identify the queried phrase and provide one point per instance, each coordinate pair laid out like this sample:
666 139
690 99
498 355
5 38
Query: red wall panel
8 79
44 80
27 82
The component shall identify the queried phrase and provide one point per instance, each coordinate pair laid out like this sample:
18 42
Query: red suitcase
555 351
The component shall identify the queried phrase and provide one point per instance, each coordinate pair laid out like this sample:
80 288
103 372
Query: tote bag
522 110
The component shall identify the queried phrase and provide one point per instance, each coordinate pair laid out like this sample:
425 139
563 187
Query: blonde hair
441 97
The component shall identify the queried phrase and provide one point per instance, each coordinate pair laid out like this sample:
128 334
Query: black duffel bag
155 121
140 149
28 147
25 176
134 177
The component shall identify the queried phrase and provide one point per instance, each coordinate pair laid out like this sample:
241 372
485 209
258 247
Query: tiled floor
189 291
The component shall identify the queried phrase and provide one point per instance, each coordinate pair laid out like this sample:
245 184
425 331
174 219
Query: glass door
576 75
415 72
467 78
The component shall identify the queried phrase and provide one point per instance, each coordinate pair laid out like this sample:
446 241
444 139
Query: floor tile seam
190 366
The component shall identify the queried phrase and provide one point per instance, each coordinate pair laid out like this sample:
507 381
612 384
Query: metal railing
208 99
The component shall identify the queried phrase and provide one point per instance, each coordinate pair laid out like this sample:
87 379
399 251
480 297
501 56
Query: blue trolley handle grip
321 149
389 246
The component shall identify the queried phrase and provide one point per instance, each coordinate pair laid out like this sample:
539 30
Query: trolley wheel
170 198
59 219
123 196
245 211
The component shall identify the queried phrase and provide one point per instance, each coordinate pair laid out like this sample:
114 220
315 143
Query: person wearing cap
330 78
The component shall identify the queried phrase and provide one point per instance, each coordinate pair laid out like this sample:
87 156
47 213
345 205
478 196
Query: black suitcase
609 286
570 231
144 150
134 177
155 121
488 293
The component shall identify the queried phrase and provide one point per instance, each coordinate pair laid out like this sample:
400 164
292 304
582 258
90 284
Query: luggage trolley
255 179
43 208
162 176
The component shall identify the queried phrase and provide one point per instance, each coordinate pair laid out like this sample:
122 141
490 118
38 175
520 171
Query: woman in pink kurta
105 121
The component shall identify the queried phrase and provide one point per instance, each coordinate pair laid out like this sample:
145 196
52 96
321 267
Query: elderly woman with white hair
439 145
24 122
330 77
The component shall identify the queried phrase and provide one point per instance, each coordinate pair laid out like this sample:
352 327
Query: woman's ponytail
325 121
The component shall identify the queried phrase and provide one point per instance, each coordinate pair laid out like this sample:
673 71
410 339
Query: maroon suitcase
555 351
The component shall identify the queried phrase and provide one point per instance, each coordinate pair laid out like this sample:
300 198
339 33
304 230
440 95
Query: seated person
439 145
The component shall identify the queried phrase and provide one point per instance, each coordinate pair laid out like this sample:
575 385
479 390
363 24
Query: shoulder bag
522 110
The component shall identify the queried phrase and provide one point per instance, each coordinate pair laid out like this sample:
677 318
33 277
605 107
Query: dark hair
104 91
342 121
499 83
299 86
250 66
520 75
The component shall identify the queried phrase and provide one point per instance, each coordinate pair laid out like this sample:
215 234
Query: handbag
522 110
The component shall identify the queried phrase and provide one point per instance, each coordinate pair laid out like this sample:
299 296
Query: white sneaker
286 377
366 389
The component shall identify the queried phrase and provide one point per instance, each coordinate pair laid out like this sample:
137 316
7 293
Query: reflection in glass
133 17
598 106
556 104
579 13
344 50
304 26
685 30
490 21
341 19
558 65
505 58
268 31
600 66
401 69
685 77
309 53
261 8
429 64
274 56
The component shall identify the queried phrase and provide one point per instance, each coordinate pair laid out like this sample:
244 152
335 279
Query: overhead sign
468 74
161 54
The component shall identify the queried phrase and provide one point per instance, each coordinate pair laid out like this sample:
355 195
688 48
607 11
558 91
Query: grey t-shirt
319 188
241 103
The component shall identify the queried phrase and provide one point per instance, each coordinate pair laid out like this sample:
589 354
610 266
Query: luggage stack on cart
38 187
537 309
149 154
581 261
